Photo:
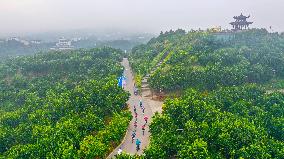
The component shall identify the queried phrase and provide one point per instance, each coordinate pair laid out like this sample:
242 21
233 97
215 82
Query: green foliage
231 122
138 82
97 146
197 149
62 105
201 60
12 48
142 55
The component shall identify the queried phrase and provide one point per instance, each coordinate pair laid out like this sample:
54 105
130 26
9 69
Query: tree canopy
231 122
205 60
62 105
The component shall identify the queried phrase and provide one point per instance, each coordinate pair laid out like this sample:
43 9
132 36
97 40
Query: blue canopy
120 80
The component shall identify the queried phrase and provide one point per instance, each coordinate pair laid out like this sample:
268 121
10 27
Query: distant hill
17 47
221 109
205 60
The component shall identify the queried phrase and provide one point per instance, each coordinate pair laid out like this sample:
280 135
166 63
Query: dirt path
150 108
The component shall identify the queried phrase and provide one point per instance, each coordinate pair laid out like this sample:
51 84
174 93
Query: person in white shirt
119 151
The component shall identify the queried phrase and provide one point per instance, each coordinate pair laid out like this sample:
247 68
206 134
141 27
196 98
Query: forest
62 104
205 60
141 79
229 106
231 122
229 102
14 48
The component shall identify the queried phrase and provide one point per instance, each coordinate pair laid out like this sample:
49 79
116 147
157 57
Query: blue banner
120 79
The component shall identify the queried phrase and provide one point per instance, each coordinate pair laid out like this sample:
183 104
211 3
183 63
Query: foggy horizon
37 16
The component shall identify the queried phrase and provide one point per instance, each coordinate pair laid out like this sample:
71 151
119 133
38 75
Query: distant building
13 39
216 29
240 22
141 37
25 42
36 41
63 44
22 41
76 39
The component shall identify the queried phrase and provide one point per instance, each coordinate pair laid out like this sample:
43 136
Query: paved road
127 145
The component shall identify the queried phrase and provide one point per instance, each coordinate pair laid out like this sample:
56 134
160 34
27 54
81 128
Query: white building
13 39
63 44
36 41
76 39
25 42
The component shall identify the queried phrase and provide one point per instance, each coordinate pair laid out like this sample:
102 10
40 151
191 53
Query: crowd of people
135 124
133 135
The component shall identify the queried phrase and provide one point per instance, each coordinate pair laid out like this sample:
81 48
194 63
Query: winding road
151 107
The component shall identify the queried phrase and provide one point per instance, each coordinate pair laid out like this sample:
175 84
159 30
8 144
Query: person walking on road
138 143
119 151
135 124
140 103
143 129
133 135
146 119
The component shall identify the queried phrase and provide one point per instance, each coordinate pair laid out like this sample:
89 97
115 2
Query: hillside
62 105
233 122
224 110
205 60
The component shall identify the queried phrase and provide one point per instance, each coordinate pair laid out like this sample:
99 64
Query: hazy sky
134 15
